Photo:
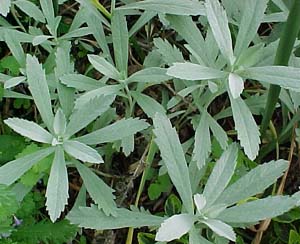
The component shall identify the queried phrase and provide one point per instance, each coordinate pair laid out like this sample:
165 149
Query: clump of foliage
180 92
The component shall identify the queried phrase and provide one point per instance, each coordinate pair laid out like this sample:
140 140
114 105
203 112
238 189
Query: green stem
150 156
55 7
101 9
284 51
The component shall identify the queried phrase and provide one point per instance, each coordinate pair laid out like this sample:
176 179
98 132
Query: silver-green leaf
82 152
13 170
173 155
38 87
29 129
116 131
190 71
58 186
101 193
247 129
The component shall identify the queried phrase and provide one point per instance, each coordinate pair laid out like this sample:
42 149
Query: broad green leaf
29 129
236 85
10 146
4 7
149 105
9 204
221 174
190 71
247 130
81 117
82 152
120 40
94 218
173 204
58 185
202 147
60 123
254 182
177 7
151 75
101 193
218 22
173 156
220 228
105 90
13 170
38 87
257 210
252 17
104 67
114 132
14 82
44 231
294 237
286 77
169 230
30 9
81 82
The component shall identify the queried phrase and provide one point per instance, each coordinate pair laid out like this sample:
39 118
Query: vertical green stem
55 7
101 8
149 160
284 50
